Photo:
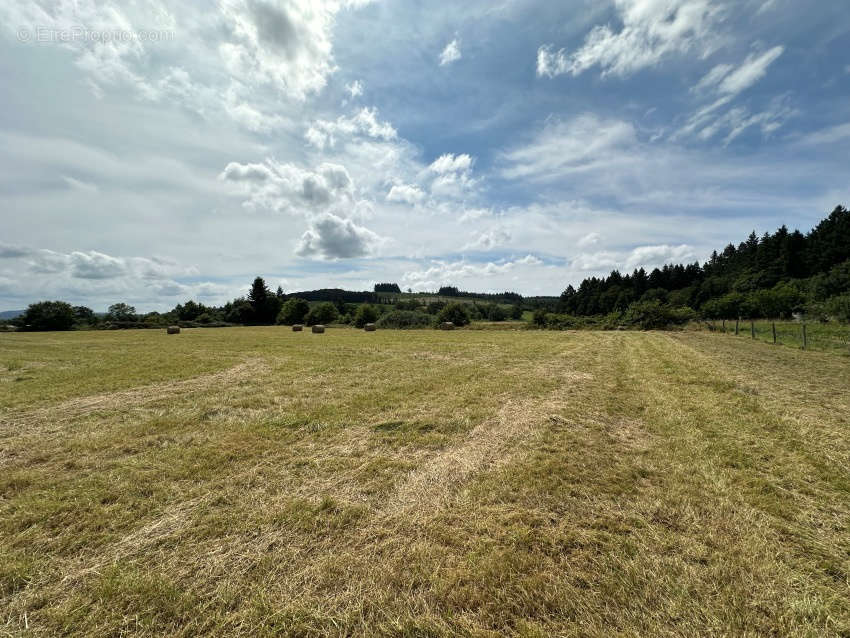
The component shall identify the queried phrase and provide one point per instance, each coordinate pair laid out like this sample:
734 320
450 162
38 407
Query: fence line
831 336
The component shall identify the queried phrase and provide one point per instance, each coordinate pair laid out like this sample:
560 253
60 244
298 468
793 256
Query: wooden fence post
752 329
805 340
724 326
774 333
737 321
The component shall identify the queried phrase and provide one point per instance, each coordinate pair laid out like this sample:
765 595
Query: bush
293 311
454 312
539 317
495 312
365 314
404 320
839 307
653 315
48 315
121 312
321 314
407 304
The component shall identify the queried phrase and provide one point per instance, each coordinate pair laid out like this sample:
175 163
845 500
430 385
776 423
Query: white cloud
560 148
647 257
332 237
407 193
95 265
285 187
355 89
598 261
651 31
89 275
454 175
79 185
726 81
650 257
451 53
248 59
12 251
589 240
286 45
830 135
454 273
488 240
365 122
449 163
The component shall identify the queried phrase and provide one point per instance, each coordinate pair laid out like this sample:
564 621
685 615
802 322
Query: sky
157 151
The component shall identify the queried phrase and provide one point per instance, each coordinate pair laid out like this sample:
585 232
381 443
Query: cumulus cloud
406 193
442 273
655 256
489 239
354 89
91 275
449 163
453 175
95 265
451 53
651 30
285 187
324 196
243 58
12 251
365 123
647 257
286 45
332 237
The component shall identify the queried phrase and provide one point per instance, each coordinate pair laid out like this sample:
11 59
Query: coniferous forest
772 276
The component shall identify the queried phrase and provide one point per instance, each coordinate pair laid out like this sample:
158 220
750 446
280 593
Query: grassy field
831 336
255 481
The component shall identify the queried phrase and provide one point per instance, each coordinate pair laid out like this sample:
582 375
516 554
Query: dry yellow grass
264 482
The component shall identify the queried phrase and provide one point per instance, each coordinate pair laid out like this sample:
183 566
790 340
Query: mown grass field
831 336
255 481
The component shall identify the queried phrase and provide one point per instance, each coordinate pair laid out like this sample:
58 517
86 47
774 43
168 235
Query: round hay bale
369 327
298 327
447 325
317 330
173 330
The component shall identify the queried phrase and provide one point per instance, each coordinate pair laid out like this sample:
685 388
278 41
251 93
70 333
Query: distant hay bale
369 327
173 330
447 325
318 330
298 327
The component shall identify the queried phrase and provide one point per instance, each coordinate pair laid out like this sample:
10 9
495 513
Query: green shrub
48 315
653 315
404 320
321 314
293 311
365 314
495 312
839 307
454 312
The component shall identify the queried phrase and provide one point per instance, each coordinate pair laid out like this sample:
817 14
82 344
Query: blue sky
158 151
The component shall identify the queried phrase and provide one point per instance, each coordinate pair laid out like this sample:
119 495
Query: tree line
772 276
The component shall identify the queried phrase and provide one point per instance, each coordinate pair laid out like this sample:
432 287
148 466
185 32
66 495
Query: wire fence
828 336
